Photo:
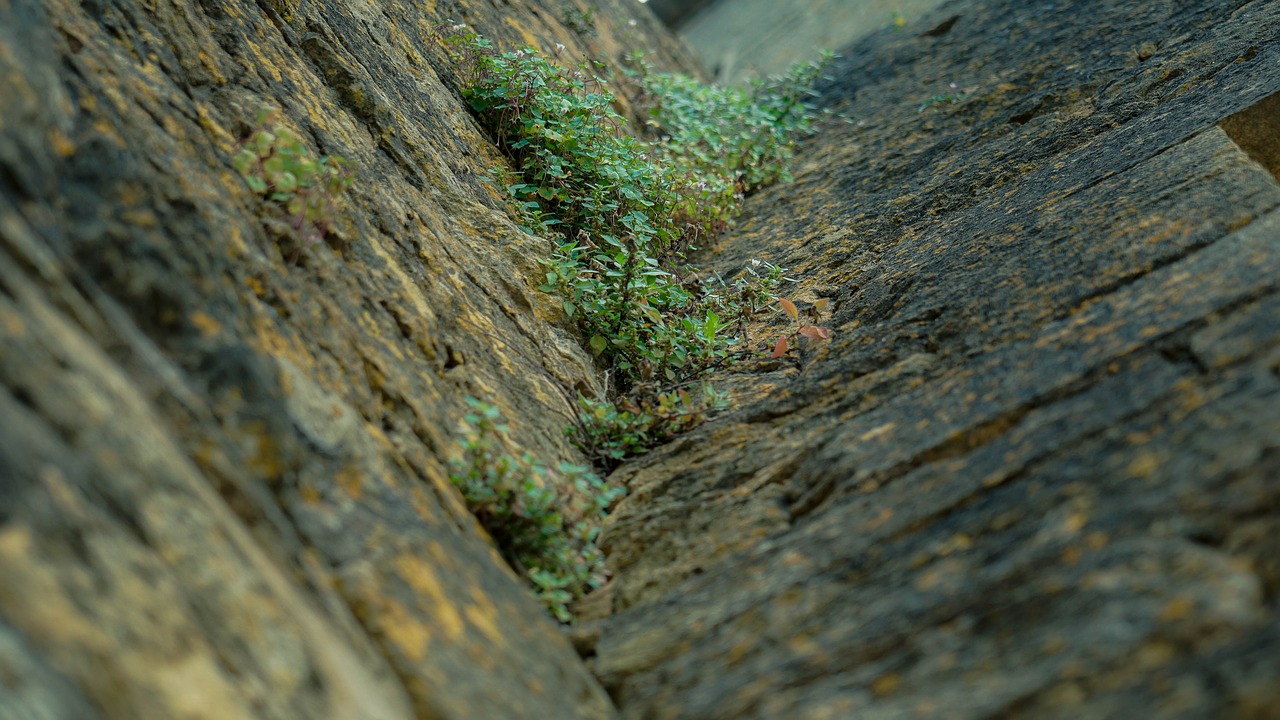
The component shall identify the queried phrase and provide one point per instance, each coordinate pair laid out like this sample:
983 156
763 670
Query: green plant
620 210
275 164
610 431
736 138
545 522
612 207
951 98
580 21
750 292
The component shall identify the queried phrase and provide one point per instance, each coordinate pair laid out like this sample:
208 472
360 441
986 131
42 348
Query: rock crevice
1032 474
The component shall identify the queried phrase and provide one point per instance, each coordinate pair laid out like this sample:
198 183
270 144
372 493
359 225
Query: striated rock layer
1036 472
223 480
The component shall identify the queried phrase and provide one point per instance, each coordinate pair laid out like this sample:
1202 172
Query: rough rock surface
1036 472
223 480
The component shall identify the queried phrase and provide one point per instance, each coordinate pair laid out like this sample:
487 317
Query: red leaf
780 349
814 332
790 308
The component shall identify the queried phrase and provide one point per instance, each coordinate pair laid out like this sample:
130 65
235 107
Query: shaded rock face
223 479
1036 472
743 39
675 12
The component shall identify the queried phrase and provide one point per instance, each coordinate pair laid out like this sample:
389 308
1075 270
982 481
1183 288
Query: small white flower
559 48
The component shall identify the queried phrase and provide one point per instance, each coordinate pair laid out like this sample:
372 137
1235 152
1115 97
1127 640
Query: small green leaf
273 166
262 142
244 161
286 182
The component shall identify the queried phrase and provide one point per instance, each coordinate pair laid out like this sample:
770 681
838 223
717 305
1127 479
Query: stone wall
1033 474
223 480
1036 471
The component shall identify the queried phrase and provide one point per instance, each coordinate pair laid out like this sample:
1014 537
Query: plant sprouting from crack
608 432
619 211
545 522
276 164
806 327
951 98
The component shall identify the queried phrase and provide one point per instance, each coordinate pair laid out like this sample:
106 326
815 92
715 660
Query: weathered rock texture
223 480
1036 473
1033 475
